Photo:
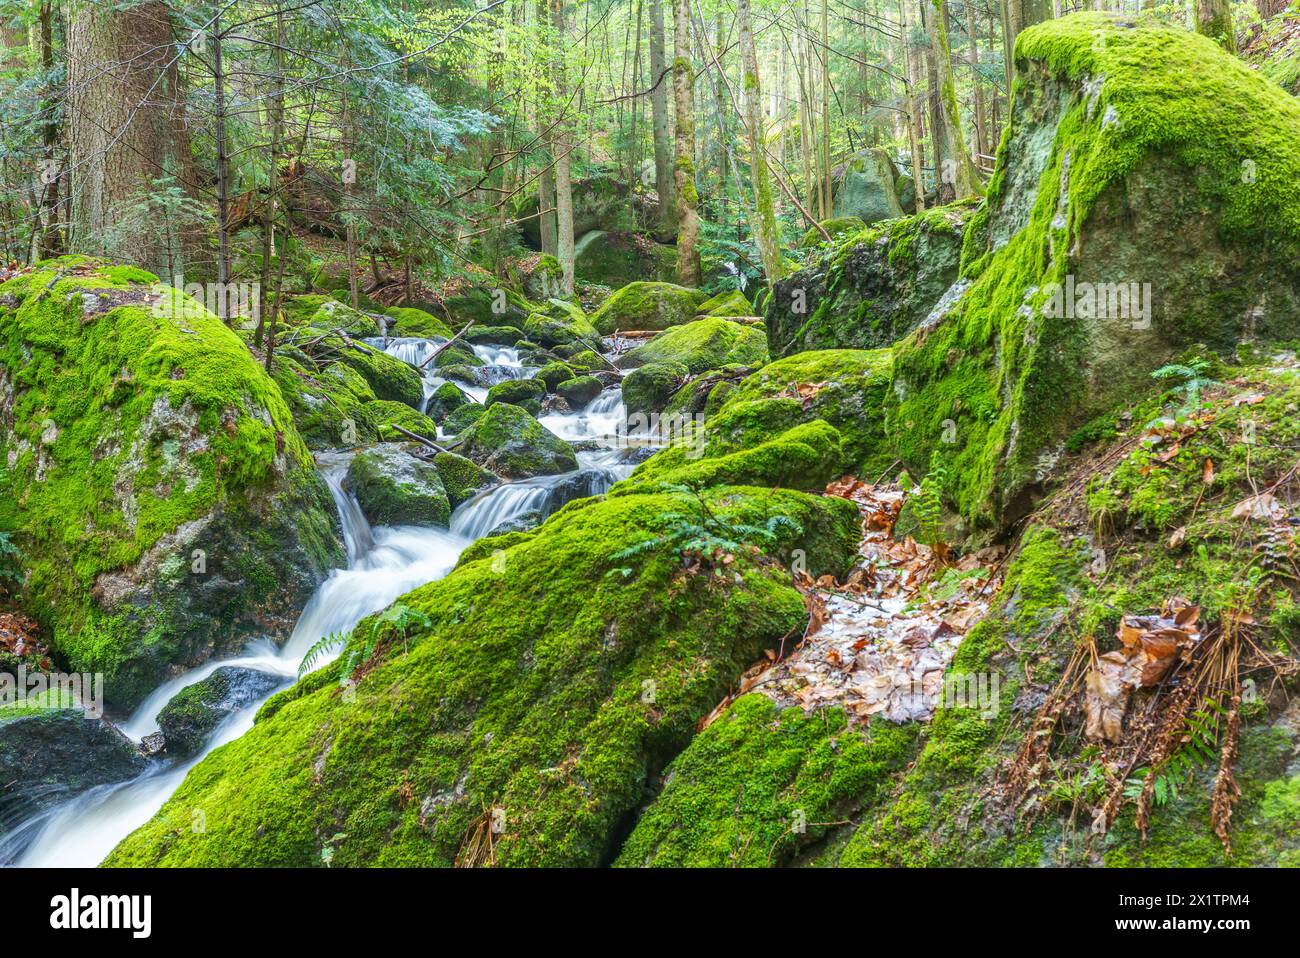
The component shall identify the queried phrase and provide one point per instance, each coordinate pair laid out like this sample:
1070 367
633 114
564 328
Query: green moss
394 488
463 417
701 345
645 305
383 414
1173 112
758 785
516 391
732 303
848 387
563 323
138 421
461 477
335 315
647 389
388 376
511 443
552 692
408 321
552 374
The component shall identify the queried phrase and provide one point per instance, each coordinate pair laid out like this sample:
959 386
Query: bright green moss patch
701 345
1149 126
640 306
552 691
143 430
758 785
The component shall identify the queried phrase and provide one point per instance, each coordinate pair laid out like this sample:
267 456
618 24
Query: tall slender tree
688 221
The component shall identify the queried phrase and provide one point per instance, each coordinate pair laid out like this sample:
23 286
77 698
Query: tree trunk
122 97
913 73
1016 15
981 132
1214 20
688 224
957 169
764 213
659 114
223 163
563 179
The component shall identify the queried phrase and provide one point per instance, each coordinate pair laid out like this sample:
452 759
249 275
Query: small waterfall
383 563
499 364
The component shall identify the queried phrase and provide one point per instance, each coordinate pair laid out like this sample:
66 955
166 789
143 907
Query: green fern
927 501
398 617
703 534
1200 734
1190 379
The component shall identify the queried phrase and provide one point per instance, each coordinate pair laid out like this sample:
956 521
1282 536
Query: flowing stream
383 563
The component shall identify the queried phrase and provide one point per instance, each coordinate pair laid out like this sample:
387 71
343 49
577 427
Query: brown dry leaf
1179 536
1109 684
1207 471
1263 506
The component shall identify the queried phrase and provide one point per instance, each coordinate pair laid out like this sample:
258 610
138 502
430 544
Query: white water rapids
383 563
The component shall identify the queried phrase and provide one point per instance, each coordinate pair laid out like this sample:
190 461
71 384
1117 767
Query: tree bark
764 212
1214 20
957 169
124 90
563 177
688 224
659 120
912 72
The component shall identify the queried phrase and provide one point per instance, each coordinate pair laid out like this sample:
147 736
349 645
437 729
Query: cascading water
499 364
383 564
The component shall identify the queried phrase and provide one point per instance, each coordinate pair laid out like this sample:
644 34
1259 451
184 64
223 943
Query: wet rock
195 711
511 443
393 487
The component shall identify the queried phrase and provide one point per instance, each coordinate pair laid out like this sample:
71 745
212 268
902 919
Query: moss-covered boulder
446 399
647 389
383 414
871 287
701 345
600 202
462 478
463 417
538 700
494 335
805 456
845 387
647 305
511 443
1143 203
407 321
731 303
388 376
561 324
164 504
298 310
327 402
516 391
615 259
50 754
580 390
554 373
865 186
335 315
761 783
194 712
394 487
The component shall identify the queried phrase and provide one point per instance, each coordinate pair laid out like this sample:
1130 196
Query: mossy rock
731 303
562 324
580 390
807 456
615 259
511 443
298 310
648 389
553 373
407 321
647 305
335 315
462 417
845 387
701 345
836 226
193 713
457 355
553 691
586 361
515 391
51 754
395 488
384 414
863 186
1176 172
759 785
462 478
165 506
328 405
446 399
494 335
869 287
388 376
